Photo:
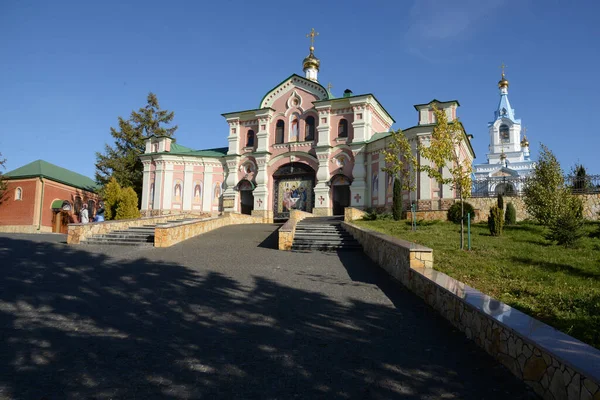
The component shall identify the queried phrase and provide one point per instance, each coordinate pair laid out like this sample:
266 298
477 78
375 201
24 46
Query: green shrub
510 216
567 227
454 212
496 221
500 201
119 203
127 204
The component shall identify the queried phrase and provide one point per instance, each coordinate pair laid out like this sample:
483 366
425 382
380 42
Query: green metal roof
44 169
359 95
435 101
378 135
177 149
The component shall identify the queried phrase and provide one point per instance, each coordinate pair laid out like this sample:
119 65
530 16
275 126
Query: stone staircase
134 236
323 234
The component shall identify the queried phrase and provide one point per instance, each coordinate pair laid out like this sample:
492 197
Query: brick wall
19 212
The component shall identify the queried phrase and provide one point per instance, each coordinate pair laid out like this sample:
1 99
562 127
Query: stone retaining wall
287 230
554 364
78 232
170 234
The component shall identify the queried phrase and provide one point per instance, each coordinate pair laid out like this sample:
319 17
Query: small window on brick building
250 139
19 194
343 128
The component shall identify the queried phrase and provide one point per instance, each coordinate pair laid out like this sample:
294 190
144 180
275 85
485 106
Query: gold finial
312 35
503 83
524 142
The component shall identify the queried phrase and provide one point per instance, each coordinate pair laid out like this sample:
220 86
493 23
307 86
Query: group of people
85 217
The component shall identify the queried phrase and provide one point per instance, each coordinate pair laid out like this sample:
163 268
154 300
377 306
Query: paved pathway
223 315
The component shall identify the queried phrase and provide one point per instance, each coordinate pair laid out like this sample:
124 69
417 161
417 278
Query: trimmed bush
500 201
510 216
454 213
496 221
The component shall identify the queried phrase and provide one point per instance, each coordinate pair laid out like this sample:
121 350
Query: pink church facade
301 149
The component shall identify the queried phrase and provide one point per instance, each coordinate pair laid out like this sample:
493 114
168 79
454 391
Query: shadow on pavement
77 324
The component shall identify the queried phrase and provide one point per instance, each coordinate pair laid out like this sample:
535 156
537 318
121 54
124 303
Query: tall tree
443 152
2 180
400 163
121 160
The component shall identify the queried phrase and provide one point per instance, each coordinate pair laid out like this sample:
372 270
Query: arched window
91 207
504 134
78 204
250 138
309 133
279 131
19 194
343 128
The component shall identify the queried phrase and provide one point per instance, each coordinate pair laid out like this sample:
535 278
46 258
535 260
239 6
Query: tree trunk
462 220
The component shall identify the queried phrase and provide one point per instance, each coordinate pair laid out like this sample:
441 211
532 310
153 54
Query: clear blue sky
68 69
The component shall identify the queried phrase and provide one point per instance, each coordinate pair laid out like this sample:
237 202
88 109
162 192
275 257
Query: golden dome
503 82
524 142
311 61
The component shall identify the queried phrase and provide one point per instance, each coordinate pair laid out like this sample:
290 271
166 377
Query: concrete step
127 239
125 235
325 248
105 242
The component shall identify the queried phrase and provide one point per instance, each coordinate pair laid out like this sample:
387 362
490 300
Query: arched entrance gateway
293 186
340 185
245 187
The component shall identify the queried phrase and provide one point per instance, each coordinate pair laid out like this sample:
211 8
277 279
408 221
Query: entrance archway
293 189
340 185
245 187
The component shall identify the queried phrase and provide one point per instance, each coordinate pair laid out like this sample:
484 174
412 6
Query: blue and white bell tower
508 149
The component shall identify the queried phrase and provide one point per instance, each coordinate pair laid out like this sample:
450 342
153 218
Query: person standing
100 213
83 214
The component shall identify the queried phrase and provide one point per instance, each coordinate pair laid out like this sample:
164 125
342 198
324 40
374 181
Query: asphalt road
224 315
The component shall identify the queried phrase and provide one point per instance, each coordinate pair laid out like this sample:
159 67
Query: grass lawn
556 285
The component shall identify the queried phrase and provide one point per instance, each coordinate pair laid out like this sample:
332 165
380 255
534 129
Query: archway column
322 191
229 195
358 189
262 206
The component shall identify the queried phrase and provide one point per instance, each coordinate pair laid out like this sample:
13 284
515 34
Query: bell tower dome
311 64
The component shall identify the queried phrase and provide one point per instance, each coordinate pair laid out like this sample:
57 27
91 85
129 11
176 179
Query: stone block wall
170 234
351 214
554 364
78 232
287 230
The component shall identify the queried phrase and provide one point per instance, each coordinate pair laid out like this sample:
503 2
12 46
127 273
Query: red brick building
43 197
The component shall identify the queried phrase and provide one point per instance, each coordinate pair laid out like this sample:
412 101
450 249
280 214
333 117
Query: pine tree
400 164
443 152
121 160
545 189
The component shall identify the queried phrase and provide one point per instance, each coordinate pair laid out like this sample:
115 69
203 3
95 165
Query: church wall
374 180
334 120
377 124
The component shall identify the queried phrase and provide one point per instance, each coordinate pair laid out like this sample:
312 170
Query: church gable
294 83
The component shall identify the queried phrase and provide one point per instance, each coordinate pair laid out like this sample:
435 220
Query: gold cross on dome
502 66
312 35
329 86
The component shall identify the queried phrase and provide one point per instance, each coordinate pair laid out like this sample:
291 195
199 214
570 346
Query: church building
301 148
508 160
